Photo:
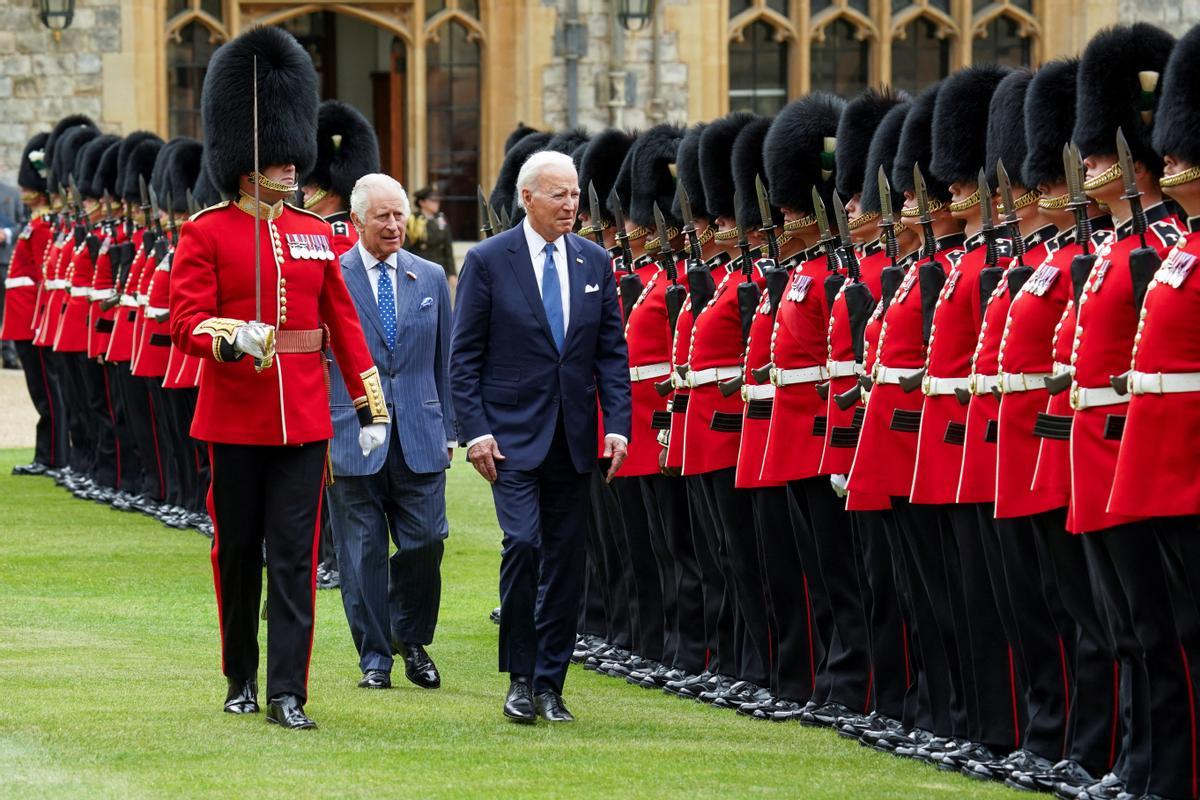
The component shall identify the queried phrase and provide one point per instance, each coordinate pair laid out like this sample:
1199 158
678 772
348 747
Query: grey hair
369 183
531 170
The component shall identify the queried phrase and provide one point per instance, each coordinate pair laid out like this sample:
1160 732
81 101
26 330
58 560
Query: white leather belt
143 299
764 391
17 283
649 371
788 377
100 294
1082 398
1011 382
1062 369
80 291
843 369
128 301
57 283
982 384
937 387
882 374
151 311
1163 382
702 377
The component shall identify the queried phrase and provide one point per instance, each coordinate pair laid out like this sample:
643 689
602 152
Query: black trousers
56 376
106 463
622 609
716 581
80 425
132 478
1180 542
273 495
666 501
819 614
594 611
890 673
641 570
51 437
734 523
541 566
195 477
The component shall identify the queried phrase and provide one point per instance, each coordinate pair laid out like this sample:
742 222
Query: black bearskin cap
1177 123
653 155
1112 95
1049 120
128 145
747 161
68 123
105 179
882 153
179 173
1006 128
139 164
623 185
960 119
287 106
158 175
203 192
716 167
794 157
31 174
687 172
602 159
567 142
504 194
90 178
520 132
577 157
342 161
916 147
856 128
67 152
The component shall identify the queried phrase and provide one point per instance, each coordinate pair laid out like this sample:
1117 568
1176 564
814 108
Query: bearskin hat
687 172
128 145
882 153
158 175
799 151
1177 123
105 179
504 194
856 128
31 174
175 172
916 147
68 123
91 182
577 157
1049 119
347 149
653 155
566 142
602 159
287 105
747 162
960 119
1119 87
67 151
622 188
1006 128
203 192
139 164
716 166
520 132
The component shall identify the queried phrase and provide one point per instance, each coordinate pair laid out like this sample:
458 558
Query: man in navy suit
399 487
537 336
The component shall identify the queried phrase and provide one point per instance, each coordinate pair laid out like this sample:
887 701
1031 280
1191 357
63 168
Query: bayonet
666 258
1077 201
1011 220
887 220
930 275
1143 260
689 225
986 226
597 226
144 195
485 220
768 220
171 217
191 203
505 219
156 209
929 240
827 240
614 201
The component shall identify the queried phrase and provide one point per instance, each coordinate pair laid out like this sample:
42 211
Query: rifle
1144 260
835 279
666 259
629 286
775 273
930 275
989 276
596 229
1020 273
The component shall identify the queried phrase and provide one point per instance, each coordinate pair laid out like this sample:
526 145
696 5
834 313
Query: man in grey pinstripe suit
399 488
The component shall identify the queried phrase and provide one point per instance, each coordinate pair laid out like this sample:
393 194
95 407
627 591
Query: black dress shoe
1106 788
495 615
1065 771
550 707
375 679
418 666
955 760
518 706
242 697
999 770
29 469
286 711
825 716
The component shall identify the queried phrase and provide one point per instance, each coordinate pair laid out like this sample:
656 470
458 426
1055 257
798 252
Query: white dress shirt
537 254
372 265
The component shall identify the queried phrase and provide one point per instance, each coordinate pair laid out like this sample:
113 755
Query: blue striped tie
552 298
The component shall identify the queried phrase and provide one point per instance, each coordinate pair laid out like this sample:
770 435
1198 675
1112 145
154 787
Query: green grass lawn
110 686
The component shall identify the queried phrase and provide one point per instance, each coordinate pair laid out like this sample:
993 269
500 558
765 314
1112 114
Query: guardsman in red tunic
1026 360
261 320
1156 474
21 289
1118 88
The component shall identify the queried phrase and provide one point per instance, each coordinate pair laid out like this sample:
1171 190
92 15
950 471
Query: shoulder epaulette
204 211
1167 231
340 228
306 212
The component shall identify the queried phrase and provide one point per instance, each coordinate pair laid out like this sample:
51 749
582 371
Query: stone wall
42 80
1174 15
651 95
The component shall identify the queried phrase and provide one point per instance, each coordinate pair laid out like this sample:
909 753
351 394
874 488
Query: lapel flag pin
412 276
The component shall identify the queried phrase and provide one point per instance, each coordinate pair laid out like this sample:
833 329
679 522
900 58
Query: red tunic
1104 335
24 280
757 408
859 500
54 289
73 324
648 334
344 235
213 292
154 337
796 439
120 342
1157 464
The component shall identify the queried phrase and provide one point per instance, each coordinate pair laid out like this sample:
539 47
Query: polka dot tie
387 305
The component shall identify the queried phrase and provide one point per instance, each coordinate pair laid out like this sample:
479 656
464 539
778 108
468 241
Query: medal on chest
1175 269
1041 280
799 288
1098 273
910 280
951 283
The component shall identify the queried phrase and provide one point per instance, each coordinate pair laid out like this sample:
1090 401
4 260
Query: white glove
839 484
371 436
253 339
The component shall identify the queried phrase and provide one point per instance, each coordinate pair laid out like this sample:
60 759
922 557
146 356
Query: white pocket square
591 287
427 303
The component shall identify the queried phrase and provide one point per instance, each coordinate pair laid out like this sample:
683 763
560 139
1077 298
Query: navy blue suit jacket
506 376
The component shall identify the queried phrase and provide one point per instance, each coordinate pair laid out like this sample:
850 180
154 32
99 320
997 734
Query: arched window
453 81
1003 41
188 53
841 59
920 55
758 67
